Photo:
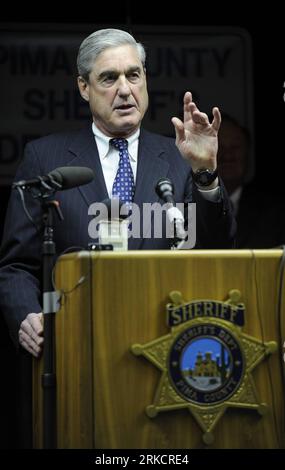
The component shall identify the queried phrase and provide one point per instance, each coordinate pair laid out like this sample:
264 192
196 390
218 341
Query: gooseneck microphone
165 190
61 178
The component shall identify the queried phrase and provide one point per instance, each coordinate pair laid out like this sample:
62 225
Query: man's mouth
124 106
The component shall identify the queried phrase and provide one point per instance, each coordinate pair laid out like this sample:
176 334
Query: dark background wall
269 107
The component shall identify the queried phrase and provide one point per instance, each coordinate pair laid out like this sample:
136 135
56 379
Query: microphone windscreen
72 176
164 188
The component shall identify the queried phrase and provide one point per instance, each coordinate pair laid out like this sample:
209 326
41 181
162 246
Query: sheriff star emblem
206 361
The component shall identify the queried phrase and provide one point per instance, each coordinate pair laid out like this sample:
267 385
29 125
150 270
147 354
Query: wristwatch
204 177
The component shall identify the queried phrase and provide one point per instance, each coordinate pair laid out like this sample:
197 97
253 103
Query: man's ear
83 88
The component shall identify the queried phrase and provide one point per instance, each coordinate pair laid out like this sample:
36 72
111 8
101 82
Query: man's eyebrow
134 68
108 72
115 72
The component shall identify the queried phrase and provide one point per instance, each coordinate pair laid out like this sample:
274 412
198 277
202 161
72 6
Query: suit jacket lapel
84 152
151 167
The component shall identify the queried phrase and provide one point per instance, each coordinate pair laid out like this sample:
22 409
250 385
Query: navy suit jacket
20 256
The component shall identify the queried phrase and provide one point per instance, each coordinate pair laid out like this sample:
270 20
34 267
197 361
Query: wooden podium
113 300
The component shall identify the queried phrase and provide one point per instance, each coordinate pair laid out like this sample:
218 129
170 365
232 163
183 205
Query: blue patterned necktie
124 185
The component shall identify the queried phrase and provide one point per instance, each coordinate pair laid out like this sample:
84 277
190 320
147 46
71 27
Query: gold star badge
206 361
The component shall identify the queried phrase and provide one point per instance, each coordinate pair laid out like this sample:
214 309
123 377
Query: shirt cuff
213 195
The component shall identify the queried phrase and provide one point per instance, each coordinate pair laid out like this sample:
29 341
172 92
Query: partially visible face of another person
232 155
116 91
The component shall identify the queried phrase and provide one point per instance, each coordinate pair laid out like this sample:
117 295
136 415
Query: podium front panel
113 300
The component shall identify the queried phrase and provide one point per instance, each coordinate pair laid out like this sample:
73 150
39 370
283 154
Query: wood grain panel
103 389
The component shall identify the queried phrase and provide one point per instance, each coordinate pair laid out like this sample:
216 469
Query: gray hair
97 42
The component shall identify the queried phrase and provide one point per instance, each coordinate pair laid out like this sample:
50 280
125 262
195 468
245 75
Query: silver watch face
204 177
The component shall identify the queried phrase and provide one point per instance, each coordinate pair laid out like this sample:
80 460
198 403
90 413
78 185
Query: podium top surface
171 254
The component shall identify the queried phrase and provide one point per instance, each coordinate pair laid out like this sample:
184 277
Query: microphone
165 190
65 177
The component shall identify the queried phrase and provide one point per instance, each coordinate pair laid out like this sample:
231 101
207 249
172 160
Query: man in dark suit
258 212
112 78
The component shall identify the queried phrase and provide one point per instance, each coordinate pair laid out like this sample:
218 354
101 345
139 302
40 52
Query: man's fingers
30 336
31 333
35 321
217 119
29 344
187 97
187 106
200 118
197 116
179 129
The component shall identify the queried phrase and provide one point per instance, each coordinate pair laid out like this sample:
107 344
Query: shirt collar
103 143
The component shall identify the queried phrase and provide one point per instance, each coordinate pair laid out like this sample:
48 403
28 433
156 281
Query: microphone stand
50 307
43 189
44 192
175 239
165 190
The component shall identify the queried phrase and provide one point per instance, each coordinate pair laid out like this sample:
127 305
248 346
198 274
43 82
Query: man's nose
124 87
